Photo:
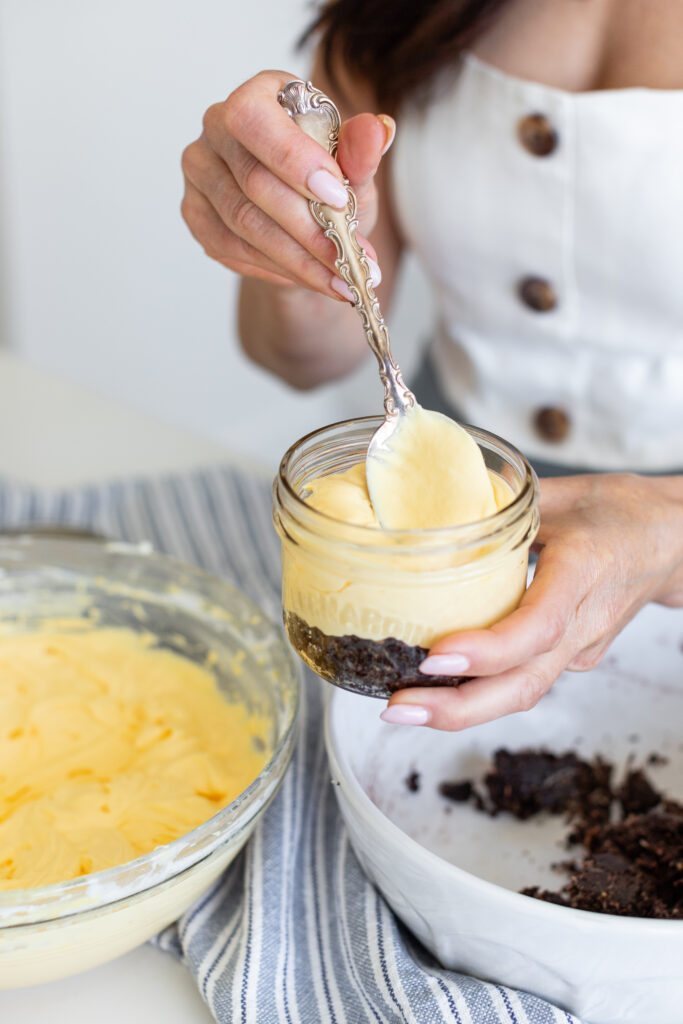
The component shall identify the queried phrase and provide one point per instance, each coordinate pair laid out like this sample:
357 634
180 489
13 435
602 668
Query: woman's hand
250 174
609 545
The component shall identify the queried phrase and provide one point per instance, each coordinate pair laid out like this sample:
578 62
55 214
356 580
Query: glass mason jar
362 605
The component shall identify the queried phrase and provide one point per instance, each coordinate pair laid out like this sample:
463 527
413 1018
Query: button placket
538 136
540 139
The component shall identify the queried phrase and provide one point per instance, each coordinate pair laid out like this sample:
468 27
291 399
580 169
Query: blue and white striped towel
293 933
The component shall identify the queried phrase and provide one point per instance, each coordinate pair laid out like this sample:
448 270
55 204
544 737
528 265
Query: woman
536 174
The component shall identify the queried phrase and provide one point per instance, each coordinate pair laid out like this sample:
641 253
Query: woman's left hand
608 544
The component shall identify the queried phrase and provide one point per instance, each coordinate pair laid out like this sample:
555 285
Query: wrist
300 335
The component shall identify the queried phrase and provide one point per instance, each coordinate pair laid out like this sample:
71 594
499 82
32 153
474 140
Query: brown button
537 293
552 424
537 135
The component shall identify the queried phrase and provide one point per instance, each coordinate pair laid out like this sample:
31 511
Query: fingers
256 168
244 185
477 701
218 241
240 231
224 246
261 191
252 116
537 626
363 140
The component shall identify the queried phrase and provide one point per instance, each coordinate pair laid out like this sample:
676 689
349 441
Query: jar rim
491 524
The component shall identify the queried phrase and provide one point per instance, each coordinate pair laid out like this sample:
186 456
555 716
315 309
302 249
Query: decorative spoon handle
317 115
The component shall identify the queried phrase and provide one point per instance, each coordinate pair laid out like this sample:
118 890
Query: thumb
362 142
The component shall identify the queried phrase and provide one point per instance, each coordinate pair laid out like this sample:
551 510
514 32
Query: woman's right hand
250 174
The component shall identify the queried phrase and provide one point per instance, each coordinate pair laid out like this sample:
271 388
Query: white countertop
142 987
53 433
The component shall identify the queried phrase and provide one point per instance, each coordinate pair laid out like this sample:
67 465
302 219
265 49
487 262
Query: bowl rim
34 906
342 770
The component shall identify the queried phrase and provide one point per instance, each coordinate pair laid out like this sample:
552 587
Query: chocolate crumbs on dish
631 834
458 792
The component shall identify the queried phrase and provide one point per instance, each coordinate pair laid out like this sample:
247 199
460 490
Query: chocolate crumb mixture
632 835
375 668
412 782
533 781
637 794
460 792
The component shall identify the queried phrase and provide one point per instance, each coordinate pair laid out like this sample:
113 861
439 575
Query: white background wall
99 278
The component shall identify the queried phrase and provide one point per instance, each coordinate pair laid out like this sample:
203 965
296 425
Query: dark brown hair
397 46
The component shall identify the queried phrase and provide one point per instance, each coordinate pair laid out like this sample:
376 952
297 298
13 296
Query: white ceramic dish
453 875
57 930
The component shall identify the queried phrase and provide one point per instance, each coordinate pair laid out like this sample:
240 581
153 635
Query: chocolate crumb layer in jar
363 605
374 668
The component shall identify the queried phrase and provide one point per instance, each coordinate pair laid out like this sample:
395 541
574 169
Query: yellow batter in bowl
109 747
194 650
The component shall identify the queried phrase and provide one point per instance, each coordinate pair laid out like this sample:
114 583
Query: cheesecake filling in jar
363 605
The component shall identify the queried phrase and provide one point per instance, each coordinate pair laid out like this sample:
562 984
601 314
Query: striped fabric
292 933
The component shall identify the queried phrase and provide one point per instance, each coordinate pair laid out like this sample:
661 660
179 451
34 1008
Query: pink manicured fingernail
405 714
327 188
445 665
375 272
390 129
342 288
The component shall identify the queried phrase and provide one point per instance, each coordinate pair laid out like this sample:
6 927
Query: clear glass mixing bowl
60 929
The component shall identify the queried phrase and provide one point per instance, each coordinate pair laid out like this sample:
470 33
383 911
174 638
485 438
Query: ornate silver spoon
318 117
422 469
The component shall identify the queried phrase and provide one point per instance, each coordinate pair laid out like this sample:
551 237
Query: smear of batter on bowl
110 747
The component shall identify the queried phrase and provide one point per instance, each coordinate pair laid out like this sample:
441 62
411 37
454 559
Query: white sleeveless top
596 223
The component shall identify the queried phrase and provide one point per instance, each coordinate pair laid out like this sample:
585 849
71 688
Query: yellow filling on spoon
432 474
345 496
